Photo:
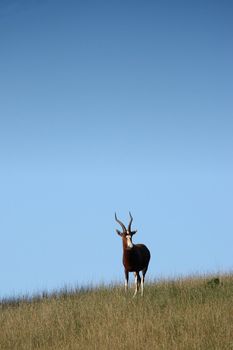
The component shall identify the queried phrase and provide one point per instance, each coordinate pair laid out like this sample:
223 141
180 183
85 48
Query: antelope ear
133 232
119 233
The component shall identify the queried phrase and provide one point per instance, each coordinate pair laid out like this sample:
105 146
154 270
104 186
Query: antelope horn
131 220
119 222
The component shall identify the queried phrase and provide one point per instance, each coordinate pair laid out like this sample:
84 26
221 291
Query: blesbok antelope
136 257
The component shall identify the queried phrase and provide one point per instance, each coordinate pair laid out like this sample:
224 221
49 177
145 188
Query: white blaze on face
129 241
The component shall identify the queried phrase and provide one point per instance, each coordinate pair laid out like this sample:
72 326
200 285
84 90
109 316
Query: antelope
136 257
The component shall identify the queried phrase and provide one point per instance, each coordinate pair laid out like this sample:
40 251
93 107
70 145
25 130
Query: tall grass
191 313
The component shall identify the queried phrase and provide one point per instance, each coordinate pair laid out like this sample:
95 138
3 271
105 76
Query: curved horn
119 222
131 220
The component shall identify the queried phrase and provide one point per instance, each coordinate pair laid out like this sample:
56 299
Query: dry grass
194 313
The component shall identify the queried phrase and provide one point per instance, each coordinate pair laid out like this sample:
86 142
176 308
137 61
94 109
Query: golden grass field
189 313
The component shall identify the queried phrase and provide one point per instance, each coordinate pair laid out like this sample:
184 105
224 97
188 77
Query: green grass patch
188 313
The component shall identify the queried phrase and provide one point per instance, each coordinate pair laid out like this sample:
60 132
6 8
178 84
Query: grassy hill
191 313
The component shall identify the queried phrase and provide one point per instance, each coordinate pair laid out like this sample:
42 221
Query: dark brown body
137 258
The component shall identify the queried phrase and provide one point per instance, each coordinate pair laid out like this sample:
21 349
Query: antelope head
126 234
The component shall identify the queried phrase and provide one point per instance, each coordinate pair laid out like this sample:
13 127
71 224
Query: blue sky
114 106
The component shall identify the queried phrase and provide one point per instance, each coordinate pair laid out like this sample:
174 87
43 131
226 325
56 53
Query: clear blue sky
114 106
